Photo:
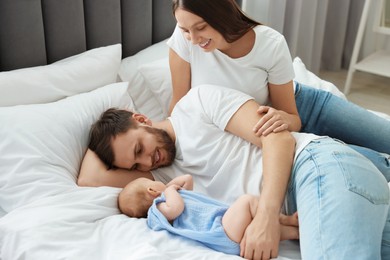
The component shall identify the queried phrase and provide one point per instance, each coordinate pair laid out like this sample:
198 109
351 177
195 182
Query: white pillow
41 145
129 65
139 87
157 78
80 73
145 101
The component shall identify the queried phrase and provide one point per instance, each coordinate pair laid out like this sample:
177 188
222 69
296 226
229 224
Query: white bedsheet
85 224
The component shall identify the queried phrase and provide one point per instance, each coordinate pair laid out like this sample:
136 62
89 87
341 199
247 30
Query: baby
177 209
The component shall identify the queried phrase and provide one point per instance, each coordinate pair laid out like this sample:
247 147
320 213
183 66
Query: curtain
321 32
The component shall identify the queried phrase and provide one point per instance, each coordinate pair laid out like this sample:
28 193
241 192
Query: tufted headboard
39 32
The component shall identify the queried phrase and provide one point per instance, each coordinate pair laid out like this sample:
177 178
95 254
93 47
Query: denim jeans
380 160
342 201
323 113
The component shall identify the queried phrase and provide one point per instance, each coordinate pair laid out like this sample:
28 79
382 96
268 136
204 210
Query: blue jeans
342 201
323 113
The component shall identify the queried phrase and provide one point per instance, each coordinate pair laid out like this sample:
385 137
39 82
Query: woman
216 43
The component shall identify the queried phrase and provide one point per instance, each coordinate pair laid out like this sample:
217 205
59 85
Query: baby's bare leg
288 232
289 226
239 216
242 211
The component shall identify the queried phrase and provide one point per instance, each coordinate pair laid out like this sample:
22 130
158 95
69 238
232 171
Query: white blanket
85 224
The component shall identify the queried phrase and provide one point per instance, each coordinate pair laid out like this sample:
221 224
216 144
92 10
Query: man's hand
261 238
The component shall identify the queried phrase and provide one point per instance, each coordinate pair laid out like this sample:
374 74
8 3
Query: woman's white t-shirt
269 61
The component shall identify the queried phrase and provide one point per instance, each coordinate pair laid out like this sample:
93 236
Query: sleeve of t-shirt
180 44
282 70
218 103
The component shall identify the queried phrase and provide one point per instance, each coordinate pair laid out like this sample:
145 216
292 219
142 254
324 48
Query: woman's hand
283 115
273 120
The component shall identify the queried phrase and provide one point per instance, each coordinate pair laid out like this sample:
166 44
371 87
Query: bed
62 64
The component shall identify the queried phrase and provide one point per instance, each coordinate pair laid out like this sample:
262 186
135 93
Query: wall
321 32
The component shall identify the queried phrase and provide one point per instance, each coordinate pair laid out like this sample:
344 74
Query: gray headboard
39 32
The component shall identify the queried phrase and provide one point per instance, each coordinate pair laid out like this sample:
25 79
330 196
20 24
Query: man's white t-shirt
269 61
223 165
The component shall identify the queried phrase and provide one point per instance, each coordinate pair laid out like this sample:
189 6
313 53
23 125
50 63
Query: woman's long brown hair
225 16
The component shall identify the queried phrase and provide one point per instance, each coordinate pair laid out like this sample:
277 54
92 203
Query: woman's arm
94 173
185 181
283 115
181 77
263 234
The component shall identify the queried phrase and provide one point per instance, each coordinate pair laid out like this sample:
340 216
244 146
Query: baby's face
138 196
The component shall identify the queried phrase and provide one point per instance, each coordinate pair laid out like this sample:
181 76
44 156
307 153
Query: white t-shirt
268 61
223 165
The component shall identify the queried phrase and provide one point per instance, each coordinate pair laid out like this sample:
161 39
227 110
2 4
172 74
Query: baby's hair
133 201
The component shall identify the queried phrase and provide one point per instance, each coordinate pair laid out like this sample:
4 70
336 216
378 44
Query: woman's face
200 33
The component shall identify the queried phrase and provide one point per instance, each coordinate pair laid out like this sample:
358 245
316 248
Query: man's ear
154 193
142 119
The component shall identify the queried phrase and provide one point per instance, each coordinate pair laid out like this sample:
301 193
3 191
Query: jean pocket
363 178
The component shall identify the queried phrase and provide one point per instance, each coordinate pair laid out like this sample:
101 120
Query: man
339 193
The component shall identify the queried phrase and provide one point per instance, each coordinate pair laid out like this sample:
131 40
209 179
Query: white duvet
85 224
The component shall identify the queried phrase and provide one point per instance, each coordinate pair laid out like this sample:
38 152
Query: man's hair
111 123
225 16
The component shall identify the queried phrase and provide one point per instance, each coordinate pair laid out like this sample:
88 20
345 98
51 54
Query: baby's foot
289 232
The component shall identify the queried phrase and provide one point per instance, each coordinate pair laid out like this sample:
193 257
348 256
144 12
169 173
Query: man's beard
165 142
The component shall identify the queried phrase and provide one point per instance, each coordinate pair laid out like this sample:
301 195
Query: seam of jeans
319 206
297 89
387 159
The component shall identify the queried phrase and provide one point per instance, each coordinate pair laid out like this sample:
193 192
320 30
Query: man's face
144 149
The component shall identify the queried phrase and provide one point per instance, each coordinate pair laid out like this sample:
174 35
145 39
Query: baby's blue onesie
201 220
